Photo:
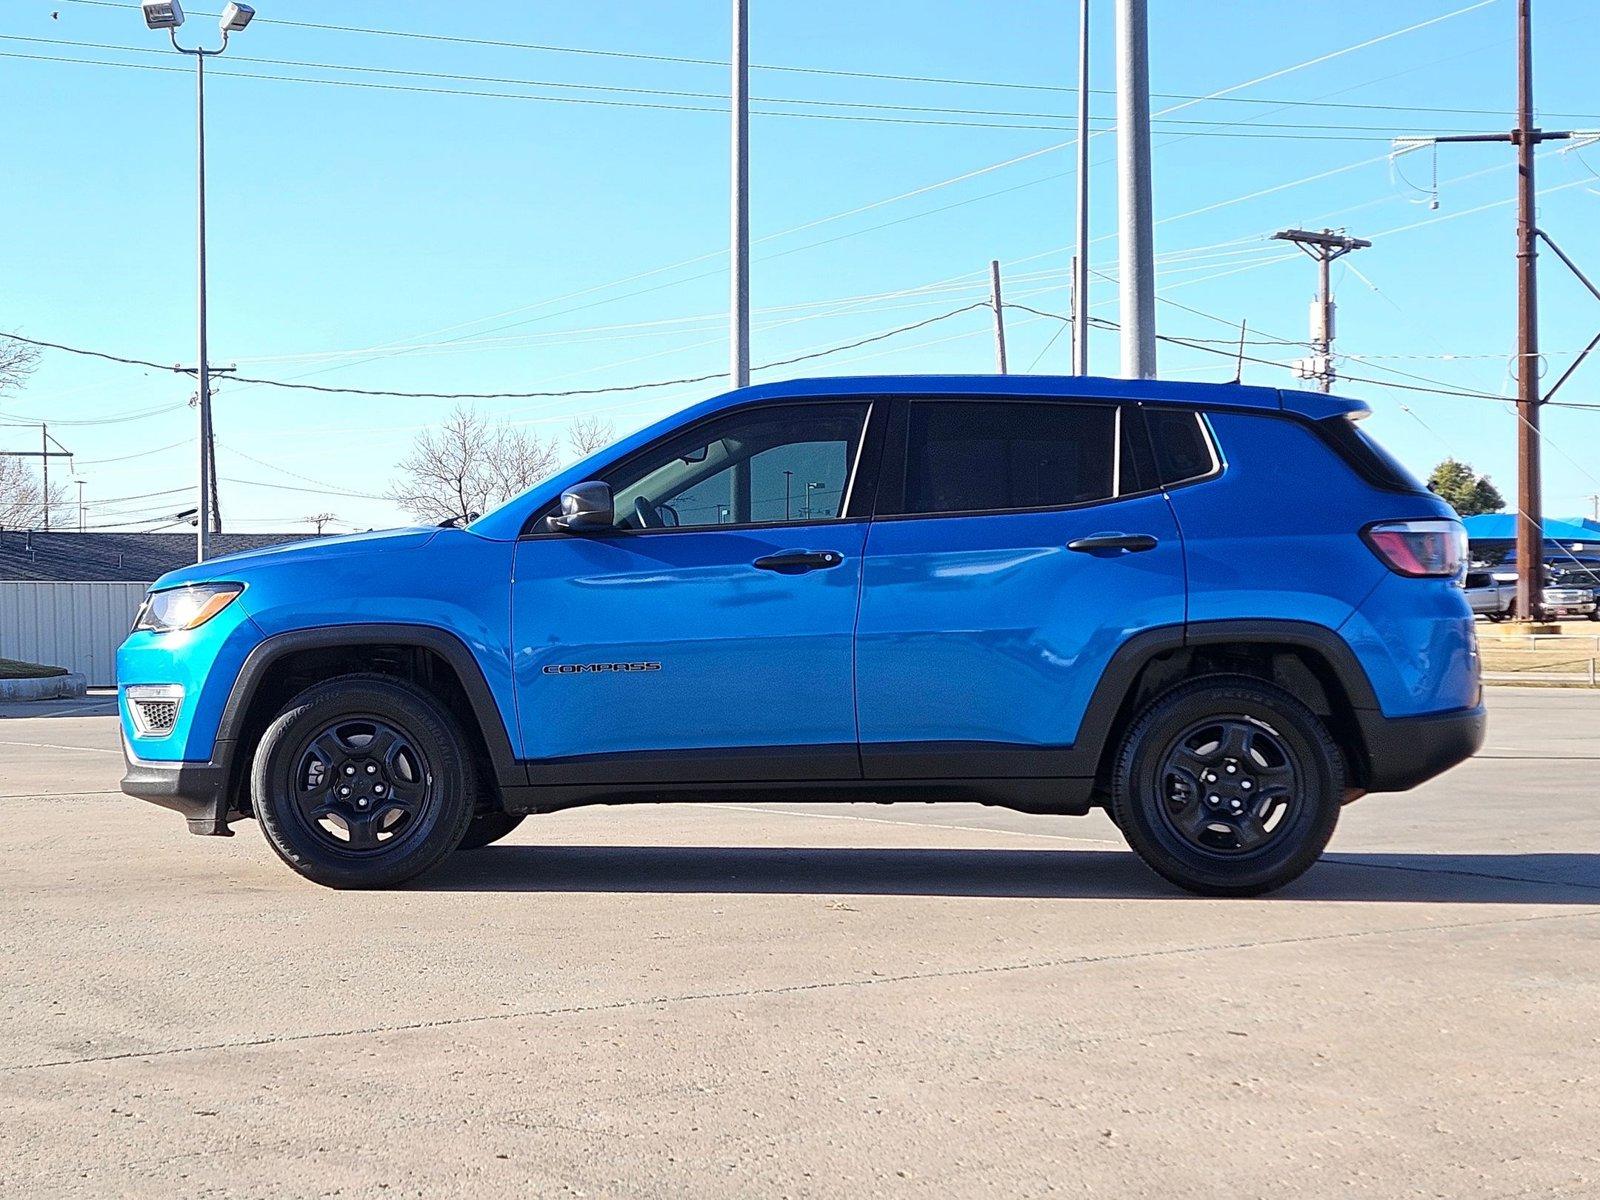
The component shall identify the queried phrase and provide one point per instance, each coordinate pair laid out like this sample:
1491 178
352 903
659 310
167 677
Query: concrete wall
73 625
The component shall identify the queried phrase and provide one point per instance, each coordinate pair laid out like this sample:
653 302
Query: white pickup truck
1494 595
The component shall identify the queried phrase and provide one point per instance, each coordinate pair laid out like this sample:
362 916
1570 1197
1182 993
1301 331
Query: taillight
1432 549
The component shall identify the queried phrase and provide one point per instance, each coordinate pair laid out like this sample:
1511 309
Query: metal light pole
1080 264
739 294
168 15
1136 280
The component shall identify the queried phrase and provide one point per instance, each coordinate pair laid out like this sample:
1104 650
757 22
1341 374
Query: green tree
1464 489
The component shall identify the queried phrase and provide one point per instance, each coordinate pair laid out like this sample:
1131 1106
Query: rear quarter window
1181 443
1367 457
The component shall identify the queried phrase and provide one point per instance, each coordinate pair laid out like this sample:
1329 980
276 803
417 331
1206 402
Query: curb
56 687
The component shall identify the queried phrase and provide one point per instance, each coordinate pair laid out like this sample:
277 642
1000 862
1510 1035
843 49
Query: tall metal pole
999 316
1080 263
1530 491
80 483
739 300
1136 282
203 369
44 452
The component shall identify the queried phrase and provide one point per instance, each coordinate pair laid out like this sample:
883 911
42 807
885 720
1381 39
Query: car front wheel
1228 786
363 781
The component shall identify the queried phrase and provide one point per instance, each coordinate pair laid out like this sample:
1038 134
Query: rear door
1018 543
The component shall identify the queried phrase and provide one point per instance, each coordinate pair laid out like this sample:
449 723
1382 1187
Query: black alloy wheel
363 781
1227 786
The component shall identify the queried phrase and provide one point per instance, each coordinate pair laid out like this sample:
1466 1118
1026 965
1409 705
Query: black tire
425 766
488 828
1212 842
1495 617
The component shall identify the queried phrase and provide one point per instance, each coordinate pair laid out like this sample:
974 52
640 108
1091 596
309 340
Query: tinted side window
785 463
982 456
1182 447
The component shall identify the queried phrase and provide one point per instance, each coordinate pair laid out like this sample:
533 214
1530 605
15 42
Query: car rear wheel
363 781
488 828
1228 786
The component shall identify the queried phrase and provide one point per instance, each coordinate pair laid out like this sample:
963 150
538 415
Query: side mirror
584 507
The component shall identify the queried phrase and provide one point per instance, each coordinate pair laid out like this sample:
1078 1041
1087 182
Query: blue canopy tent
1502 527
1496 534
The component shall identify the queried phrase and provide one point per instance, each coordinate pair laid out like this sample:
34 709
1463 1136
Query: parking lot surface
789 1000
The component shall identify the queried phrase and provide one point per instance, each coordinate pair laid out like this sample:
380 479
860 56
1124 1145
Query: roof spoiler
1320 407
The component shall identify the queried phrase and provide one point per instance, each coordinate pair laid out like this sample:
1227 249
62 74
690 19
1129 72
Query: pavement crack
794 989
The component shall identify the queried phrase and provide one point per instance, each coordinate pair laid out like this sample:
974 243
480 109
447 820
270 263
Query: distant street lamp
811 489
168 15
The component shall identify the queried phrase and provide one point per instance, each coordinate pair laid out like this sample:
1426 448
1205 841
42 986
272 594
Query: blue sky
409 239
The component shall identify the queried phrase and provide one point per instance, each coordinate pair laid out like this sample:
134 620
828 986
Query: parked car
1571 593
1488 596
1566 593
1218 612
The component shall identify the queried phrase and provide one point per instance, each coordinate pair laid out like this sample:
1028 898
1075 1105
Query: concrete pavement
788 1000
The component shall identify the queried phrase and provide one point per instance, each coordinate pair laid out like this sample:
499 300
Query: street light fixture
162 14
168 15
235 17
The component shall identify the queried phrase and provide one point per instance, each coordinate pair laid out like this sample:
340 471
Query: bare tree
22 499
468 465
22 495
18 360
589 433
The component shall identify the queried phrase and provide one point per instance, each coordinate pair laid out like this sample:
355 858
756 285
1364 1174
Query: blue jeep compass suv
1218 612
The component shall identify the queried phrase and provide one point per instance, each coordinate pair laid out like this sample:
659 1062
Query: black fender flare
1134 655
448 646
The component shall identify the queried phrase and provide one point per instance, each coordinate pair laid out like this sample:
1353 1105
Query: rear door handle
1102 543
793 562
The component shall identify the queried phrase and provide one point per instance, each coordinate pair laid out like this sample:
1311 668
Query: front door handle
793 562
1102 543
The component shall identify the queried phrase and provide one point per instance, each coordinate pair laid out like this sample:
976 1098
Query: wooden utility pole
1324 247
999 316
1530 472
1530 488
44 454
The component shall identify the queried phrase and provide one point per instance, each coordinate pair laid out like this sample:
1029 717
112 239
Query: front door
1018 544
707 636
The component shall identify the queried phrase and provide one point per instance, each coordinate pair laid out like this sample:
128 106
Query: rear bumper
197 790
1405 751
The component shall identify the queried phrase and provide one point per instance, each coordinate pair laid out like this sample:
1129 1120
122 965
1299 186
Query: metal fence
73 625
1566 659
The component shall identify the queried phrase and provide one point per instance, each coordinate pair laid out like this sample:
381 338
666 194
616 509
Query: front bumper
198 790
1405 751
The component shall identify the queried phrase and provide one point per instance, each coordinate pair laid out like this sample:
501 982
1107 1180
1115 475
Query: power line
546 395
678 94
839 73
1441 389
1218 129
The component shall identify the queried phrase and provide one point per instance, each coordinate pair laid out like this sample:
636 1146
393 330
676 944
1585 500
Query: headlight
184 607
